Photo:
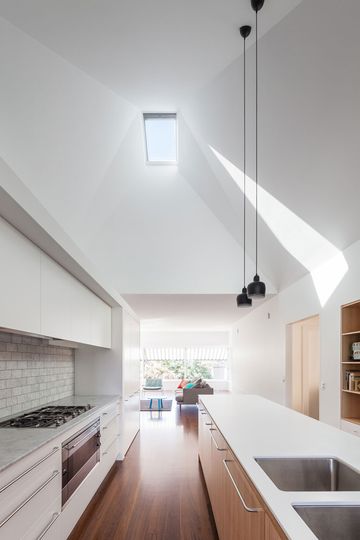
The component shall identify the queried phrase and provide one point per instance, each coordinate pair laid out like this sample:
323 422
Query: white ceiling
153 53
184 312
75 76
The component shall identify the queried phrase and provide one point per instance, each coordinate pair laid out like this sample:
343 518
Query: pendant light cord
256 142
244 158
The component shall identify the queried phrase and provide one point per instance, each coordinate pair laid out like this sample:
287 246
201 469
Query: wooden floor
157 492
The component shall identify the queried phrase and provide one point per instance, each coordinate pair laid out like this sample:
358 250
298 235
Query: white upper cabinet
56 300
39 297
70 310
19 281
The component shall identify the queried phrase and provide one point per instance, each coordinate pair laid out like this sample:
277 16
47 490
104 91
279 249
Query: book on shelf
352 381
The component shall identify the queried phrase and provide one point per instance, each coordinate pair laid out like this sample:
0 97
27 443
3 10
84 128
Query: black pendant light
257 288
242 299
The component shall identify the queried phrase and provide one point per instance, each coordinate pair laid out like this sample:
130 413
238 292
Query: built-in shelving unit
350 333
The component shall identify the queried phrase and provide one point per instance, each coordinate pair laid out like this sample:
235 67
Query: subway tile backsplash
33 373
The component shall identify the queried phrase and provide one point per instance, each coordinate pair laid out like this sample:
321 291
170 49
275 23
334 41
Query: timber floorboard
158 491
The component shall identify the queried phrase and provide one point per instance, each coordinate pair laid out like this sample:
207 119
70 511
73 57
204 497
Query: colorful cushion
183 383
189 385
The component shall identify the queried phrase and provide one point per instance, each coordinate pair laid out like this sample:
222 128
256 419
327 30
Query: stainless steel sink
331 522
310 474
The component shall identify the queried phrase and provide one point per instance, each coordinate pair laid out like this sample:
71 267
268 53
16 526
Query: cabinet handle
108 448
54 450
247 508
208 423
214 441
42 534
87 436
34 493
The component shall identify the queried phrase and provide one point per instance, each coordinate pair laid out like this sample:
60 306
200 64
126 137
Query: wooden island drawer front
243 508
238 509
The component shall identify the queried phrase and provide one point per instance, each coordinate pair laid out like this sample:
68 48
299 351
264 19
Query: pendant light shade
242 300
257 288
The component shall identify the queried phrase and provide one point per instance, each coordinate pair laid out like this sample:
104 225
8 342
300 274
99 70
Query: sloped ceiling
76 76
153 53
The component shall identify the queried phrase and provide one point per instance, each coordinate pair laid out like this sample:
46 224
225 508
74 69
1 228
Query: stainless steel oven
80 454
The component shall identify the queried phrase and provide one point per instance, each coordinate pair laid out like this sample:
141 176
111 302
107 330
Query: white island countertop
16 443
255 427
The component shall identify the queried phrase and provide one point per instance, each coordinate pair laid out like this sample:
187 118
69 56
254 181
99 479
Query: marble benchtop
16 443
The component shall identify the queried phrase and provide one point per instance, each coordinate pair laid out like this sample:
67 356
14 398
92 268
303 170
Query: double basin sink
327 522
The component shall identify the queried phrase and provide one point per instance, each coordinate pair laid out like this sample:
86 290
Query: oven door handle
87 436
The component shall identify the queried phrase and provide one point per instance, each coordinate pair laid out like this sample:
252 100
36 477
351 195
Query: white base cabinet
129 422
350 427
30 494
30 490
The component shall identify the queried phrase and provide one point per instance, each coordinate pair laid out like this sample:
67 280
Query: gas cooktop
50 416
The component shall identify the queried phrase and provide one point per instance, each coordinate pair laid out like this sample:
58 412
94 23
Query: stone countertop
255 427
16 443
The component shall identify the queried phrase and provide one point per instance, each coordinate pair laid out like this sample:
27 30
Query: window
161 138
170 363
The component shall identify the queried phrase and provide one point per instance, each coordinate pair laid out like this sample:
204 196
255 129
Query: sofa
190 396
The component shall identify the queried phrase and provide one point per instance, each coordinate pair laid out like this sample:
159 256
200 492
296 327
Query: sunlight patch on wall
321 258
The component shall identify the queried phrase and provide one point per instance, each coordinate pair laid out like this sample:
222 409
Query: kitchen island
253 427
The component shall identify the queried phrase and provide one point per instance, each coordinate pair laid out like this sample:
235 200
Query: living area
178 366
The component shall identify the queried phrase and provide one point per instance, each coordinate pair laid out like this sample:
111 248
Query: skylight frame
168 114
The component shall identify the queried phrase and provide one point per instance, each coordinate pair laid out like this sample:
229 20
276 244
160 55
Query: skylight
161 138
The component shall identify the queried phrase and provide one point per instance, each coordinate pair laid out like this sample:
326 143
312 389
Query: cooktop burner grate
50 416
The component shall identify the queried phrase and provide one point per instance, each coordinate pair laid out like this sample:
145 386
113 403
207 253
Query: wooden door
311 367
305 366
244 519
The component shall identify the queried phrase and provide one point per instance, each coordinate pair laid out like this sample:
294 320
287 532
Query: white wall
184 339
259 342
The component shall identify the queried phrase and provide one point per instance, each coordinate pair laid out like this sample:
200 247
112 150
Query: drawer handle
208 423
247 508
34 493
108 448
54 450
214 441
88 435
42 534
